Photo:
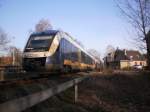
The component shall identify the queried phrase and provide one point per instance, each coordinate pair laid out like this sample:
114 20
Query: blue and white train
55 50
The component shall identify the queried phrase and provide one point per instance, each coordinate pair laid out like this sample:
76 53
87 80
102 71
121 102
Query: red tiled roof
134 55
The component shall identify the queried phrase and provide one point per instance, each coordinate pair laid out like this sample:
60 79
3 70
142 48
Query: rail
20 104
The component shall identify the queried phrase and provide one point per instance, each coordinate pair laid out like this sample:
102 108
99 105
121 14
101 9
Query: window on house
140 63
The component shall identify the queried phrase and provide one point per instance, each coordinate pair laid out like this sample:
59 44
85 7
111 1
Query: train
54 50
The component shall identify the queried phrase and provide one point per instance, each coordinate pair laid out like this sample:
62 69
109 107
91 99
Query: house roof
120 55
128 55
133 55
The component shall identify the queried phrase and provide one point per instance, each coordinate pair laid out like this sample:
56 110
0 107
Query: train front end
37 51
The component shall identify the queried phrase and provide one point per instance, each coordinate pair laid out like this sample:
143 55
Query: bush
108 70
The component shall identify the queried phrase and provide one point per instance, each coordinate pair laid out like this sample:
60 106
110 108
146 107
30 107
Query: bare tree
4 40
42 25
109 49
95 54
109 54
16 55
137 12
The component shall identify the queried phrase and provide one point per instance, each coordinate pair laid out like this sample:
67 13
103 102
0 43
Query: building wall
5 61
128 63
143 63
124 64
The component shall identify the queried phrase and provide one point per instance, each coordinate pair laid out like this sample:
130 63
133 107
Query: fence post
76 92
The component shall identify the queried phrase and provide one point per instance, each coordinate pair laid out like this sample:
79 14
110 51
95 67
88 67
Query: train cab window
39 43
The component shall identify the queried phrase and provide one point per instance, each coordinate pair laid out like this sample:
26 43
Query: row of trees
4 40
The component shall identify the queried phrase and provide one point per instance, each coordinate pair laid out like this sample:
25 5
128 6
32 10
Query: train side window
76 53
83 56
64 48
67 47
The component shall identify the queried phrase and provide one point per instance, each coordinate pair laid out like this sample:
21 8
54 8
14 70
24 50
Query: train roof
46 32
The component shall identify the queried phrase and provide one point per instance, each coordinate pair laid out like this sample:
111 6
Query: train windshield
39 43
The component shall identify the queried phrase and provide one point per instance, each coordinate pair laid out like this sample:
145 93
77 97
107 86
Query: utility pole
76 92
13 63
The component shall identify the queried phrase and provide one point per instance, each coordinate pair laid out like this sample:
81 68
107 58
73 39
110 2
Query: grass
109 92
119 92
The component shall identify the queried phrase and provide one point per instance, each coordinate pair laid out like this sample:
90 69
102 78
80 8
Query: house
132 58
125 59
109 60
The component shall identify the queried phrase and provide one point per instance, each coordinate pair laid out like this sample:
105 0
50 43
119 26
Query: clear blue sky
96 23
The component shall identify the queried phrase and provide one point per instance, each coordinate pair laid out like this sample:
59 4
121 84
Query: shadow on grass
119 92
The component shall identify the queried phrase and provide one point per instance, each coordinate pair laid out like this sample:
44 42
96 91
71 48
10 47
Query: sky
95 23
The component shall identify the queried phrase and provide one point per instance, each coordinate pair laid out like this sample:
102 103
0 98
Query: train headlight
48 60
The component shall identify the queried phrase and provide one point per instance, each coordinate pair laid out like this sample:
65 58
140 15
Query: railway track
25 101
22 81
17 88
32 78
